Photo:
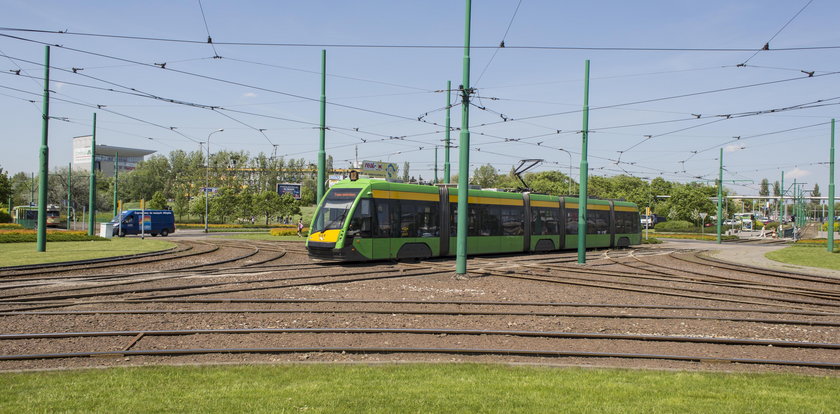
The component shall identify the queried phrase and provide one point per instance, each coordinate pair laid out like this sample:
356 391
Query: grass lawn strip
16 254
813 256
450 388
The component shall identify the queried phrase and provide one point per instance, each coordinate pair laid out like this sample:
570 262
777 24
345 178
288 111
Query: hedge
6 226
29 236
677 226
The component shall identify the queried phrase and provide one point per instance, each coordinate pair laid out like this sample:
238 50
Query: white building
128 157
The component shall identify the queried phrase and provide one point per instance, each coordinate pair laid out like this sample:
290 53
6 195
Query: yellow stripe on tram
537 203
489 200
405 195
626 208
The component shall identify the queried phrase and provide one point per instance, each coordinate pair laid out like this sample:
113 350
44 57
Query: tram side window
513 221
571 221
597 222
416 218
626 222
382 227
545 221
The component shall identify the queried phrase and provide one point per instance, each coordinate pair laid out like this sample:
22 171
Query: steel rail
22 296
759 270
171 250
397 350
577 281
52 304
733 282
418 312
431 331
196 253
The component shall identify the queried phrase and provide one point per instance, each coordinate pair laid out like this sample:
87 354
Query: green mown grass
16 254
804 255
448 388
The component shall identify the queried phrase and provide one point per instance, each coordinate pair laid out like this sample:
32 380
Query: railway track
626 308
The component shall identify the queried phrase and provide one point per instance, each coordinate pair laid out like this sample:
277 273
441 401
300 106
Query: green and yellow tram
370 219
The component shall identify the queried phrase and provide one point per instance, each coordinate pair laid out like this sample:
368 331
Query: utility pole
92 192
720 199
446 177
322 154
69 190
436 174
831 193
116 181
584 170
464 153
32 190
44 158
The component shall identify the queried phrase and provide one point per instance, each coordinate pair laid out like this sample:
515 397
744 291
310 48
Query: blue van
154 222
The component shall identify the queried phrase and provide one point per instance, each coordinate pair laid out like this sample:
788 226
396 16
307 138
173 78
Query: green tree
548 182
197 206
777 189
223 204
158 201
5 187
405 176
484 176
687 199
269 204
764 188
181 205
245 207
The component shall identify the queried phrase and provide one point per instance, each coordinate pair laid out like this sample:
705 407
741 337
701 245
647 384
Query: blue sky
381 91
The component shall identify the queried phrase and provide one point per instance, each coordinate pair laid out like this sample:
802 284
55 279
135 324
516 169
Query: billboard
379 169
289 188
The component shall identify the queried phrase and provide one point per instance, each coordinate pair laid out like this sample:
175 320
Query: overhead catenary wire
415 46
767 45
206 27
501 45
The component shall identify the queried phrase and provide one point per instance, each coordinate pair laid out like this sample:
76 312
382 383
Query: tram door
383 229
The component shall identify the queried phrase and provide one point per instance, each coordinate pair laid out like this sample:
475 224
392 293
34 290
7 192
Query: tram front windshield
334 209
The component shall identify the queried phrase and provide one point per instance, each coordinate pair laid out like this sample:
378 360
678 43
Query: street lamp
207 180
570 168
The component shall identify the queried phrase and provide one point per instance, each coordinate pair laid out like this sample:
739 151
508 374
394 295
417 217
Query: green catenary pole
92 192
446 177
584 170
783 208
436 165
322 154
44 158
831 193
720 198
116 182
69 190
464 152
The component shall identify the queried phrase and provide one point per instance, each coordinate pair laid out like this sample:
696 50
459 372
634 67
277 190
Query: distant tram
27 216
375 219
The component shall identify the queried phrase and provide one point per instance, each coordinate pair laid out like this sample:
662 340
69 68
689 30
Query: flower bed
286 231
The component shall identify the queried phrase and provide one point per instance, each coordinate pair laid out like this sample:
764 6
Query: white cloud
733 147
797 173
249 95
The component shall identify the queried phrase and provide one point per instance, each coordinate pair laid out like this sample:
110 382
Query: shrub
4 226
836 226
5 217
285 231
677 226
651 240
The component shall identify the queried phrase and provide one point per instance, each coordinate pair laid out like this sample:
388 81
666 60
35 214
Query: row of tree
245 187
